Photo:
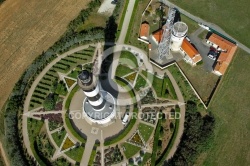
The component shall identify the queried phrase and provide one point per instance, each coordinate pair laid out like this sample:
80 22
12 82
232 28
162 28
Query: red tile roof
158 35
144 30
191 51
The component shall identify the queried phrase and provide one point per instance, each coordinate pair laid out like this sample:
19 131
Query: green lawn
122 70
58 137
74 74
168 86
140 83
131 150
145 131
129 59
157 83
230 15
230 106
192 25
92 157
203 81
70 96
76 153
94 20
186 90
146 157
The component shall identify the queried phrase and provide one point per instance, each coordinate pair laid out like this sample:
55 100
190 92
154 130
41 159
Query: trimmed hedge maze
50 82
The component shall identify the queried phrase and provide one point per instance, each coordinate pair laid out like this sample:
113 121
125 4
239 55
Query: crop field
30 28
232 16
230 106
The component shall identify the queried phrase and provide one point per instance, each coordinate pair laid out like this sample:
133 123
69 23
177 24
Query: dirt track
3 155
26 29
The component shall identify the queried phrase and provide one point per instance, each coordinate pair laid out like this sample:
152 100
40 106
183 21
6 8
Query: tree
131 161
50 102
142 153
159 12
147 13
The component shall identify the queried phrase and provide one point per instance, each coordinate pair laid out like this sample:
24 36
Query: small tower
98 106
179 32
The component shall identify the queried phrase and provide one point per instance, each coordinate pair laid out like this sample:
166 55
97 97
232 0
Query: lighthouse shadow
105 79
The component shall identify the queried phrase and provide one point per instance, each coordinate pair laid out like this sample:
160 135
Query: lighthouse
98 106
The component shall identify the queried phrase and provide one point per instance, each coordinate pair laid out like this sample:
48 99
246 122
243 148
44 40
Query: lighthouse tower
179 32
99 105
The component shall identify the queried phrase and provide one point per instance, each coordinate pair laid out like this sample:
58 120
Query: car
211 57
125 118
213 49
212 54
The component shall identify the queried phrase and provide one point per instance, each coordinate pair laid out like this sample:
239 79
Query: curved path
182 119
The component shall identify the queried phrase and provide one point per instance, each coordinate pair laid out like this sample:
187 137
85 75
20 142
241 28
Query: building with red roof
144 32
191 55
157 35
227 50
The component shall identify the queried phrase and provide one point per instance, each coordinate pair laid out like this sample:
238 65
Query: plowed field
26 29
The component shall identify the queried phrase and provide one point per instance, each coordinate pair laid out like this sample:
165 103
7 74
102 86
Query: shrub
50 102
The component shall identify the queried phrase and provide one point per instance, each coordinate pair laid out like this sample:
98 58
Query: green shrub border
122 19
70 96
72 130
155 144
131 21
161 160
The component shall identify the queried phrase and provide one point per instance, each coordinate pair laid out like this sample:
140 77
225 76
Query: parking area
203 49
107 6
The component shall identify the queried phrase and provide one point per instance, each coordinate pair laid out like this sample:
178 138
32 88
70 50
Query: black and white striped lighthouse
91 89
98 104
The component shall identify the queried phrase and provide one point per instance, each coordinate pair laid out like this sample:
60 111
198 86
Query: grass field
161 85
95 20
76 153
128 58
145 131
131 150
230 106
122 70
30 28
58 137
140 83
203 81
228 14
